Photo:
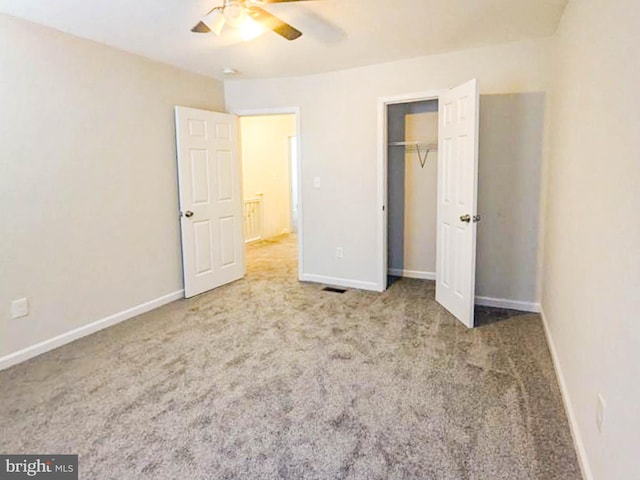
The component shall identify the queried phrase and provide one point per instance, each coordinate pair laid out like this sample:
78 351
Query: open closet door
457 200
210 201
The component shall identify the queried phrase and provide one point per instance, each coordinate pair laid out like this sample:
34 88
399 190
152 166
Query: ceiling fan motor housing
234 12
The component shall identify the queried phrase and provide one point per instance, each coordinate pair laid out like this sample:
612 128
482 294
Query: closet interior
412 157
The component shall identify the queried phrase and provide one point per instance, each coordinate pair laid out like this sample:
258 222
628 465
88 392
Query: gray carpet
268 378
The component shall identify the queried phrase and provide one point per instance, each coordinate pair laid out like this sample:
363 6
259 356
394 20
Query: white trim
255 112
412 274
568 406
339 282
68 337
381 203
504 303
413 97
381 197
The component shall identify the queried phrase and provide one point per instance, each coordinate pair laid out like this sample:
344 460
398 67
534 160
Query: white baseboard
504 303
568 406
68 337
339 282
412 274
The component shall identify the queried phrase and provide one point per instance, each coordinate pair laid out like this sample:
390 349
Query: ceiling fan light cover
235 14
250 29
215 20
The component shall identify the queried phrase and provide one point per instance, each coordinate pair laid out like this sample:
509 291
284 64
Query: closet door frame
382 191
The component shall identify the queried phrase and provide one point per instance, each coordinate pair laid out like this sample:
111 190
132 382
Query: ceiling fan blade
201 28
273 23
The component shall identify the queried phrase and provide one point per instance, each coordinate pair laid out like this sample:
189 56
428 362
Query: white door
457 200
210 199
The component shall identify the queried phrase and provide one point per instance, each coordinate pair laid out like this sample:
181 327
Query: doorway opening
271 187
412 131
407 176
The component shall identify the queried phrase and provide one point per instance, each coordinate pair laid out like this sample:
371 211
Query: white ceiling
337 33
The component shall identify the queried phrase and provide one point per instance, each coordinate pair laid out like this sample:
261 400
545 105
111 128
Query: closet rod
429 145
416 146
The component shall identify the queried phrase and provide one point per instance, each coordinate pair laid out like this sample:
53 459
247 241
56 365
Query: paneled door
210 199
457 200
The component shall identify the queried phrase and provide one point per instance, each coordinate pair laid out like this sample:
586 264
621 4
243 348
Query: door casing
383 166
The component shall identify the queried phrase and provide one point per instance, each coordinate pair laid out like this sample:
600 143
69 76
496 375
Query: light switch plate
19 308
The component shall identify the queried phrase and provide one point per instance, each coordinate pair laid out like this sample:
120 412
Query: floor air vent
333 290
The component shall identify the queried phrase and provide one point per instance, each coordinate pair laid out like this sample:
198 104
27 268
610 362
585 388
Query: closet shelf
415 144
417 147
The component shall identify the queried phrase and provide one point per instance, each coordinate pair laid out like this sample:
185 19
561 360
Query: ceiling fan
248 17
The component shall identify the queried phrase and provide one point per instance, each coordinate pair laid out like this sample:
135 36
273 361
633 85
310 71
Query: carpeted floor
269 378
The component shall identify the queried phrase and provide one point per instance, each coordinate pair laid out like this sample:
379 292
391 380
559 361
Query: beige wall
509 171
265 167
591 295
88 187
339 142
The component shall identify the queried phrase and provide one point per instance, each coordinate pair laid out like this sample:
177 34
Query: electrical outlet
339 252
19 308
600 408
316 182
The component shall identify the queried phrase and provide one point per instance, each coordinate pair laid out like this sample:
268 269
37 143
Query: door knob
188 213
468 218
